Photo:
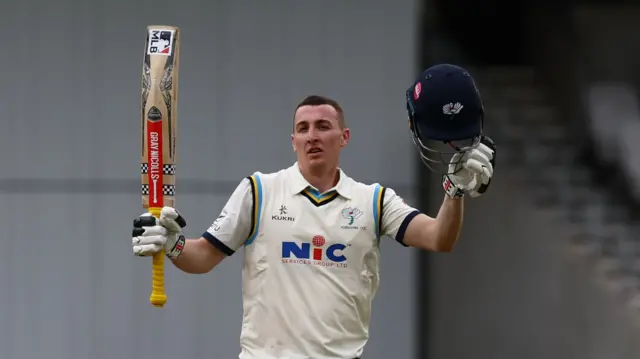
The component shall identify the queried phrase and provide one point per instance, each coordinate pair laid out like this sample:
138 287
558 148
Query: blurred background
548 262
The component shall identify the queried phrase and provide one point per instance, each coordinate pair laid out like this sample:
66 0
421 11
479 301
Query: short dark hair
317 100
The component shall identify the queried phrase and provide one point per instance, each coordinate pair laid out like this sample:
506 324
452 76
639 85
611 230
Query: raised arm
411 228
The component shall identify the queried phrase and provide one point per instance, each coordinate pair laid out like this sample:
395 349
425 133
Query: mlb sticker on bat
160 42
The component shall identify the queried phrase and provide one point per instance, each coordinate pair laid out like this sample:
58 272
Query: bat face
159 120
159 125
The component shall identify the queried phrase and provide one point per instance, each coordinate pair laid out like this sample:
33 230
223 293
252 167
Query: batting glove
152 235
471 175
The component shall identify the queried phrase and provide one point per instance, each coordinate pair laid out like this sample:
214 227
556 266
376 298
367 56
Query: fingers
481 176
485 150
146 250
145 220
488 142
473 183
137 232
172 214
481 156
479 170
484 176
171 219
488 146
476 167
150 234
149 231
147 240
479 164
170 224
146 245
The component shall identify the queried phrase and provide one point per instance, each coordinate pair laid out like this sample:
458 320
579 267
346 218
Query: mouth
314 151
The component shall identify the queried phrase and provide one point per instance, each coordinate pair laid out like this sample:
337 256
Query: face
317 137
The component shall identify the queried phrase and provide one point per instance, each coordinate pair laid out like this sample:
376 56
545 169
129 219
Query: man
311 234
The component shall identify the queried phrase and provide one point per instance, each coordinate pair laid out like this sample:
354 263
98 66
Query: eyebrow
306 122
316 120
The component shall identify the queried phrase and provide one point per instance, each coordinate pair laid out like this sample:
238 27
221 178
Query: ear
346 136
293 144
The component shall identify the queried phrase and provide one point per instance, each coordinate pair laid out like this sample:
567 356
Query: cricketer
311 234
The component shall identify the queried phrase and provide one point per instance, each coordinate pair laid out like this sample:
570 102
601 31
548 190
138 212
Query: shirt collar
299 183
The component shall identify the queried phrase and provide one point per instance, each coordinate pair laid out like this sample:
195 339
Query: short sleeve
234 224
396 215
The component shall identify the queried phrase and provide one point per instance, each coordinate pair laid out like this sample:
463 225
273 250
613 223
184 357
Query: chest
302 228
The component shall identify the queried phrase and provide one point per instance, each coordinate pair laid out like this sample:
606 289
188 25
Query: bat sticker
154 115
160 42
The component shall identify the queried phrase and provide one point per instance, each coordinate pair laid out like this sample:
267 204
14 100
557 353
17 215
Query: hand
152 235
473 173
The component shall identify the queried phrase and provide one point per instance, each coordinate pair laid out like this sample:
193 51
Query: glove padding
472 170
152 235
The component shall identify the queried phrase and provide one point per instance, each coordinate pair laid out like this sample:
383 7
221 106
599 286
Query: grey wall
69 148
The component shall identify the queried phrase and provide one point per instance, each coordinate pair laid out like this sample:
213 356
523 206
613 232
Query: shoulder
359 186
362 189
268 176
269 179
375 190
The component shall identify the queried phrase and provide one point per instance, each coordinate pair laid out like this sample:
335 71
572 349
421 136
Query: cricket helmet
445 116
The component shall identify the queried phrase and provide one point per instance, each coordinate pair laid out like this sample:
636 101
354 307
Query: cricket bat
159 126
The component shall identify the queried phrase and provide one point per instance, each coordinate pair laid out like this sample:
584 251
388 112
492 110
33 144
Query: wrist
177 248
451 189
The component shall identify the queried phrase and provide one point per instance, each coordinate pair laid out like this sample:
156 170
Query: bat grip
158 297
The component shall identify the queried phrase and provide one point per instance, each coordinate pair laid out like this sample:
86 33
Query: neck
322 178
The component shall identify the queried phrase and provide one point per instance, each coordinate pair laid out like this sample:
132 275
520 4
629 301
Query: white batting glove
471 175
152 235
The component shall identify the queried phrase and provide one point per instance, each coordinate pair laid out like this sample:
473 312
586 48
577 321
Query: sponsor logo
283 215
314 253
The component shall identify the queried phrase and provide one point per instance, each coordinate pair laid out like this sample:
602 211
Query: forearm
448 223
197 257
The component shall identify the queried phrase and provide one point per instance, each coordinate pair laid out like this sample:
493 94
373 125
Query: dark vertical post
423 183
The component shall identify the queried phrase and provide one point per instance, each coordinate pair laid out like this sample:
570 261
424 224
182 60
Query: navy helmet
445 116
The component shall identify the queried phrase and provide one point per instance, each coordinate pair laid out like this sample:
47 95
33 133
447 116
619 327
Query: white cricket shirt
311 261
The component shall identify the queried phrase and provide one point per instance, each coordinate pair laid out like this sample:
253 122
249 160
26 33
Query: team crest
351 214
452 109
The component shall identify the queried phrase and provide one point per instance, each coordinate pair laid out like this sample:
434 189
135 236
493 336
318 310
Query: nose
313 135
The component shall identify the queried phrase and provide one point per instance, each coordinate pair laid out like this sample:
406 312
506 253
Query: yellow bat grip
158 297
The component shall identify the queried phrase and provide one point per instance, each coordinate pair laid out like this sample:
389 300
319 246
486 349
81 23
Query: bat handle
158 297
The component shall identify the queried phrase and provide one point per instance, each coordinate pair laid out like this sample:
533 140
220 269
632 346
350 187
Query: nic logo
332 256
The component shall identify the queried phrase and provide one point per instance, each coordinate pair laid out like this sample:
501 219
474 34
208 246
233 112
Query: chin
316 161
